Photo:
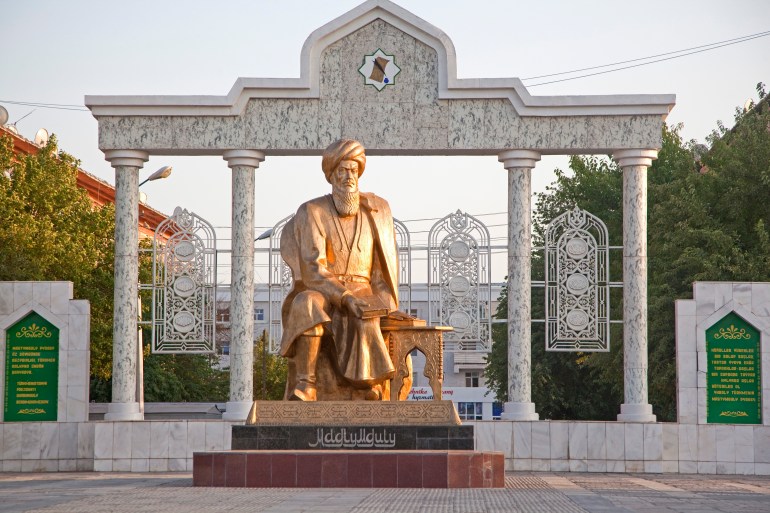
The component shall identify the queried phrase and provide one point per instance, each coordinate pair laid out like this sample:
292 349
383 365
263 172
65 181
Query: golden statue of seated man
342 252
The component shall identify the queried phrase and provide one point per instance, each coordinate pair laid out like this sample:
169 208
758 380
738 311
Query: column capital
519 158
249 158
635 157
134 158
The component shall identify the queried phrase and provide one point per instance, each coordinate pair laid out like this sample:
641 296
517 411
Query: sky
58 52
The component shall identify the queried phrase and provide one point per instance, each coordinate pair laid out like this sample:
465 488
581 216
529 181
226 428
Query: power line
710 47
59 106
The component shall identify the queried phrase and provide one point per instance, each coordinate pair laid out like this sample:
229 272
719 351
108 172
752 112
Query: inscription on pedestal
352 437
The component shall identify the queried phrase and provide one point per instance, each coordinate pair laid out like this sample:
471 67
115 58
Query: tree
51 231
269 372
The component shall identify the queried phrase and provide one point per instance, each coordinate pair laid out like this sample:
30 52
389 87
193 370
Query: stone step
349 469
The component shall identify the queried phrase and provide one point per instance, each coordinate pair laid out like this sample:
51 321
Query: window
469 411
472 379
224 316
259 314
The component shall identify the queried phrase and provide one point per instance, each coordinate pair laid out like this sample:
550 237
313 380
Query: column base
519 411
237 410
636 413
123 411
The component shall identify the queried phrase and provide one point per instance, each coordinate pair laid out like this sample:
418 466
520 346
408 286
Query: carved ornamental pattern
577 308
459 281
184 285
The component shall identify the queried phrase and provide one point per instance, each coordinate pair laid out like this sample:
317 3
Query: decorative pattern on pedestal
577 292
459 281
184 285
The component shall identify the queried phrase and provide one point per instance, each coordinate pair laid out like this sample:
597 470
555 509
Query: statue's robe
325 265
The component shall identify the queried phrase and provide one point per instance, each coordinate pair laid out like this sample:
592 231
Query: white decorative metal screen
184 285
459 281
404 266
278 285
577 293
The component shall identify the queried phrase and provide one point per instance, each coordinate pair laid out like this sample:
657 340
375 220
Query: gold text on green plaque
733 375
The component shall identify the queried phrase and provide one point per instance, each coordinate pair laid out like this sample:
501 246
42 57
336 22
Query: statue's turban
344 149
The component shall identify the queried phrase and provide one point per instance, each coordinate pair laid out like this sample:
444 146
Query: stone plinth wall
154 446
568 446
555 446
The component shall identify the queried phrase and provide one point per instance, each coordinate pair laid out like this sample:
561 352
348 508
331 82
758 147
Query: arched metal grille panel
184 285
279 284
459 281
404 266
577 292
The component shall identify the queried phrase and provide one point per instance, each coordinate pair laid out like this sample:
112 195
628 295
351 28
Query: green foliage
184 378
707 221
269 372
50 231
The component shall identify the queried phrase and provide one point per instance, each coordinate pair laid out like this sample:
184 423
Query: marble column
634 163
243 164
519 164
127 163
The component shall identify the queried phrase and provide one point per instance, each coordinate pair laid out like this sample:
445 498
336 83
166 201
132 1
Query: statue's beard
345 202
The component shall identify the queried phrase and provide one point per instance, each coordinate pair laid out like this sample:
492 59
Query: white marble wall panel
140 440
634 441
137 132
725 443
22 294
41 293
275 123
177 440
615 442
670 435
30 440
194 133
597 442
653 442
49 441
6 297
159 439
140 465
744 444
68 440
760 299
61 300
688 442
559 441
541 443
215 435
578 440
707 443
121 440
762 444
522 440
86 442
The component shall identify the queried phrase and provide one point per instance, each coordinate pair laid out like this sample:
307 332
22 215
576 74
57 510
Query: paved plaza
524 492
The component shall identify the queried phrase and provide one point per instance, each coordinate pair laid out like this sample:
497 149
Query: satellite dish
12 128
748 105
41 137
3 116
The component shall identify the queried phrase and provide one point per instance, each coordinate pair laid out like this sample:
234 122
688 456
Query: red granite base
349 469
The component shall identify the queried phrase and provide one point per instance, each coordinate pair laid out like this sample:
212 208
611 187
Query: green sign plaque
733 384
31 370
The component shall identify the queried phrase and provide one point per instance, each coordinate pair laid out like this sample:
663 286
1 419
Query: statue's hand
354 305
399 315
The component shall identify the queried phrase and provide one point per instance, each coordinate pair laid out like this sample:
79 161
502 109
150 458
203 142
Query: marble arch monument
383 76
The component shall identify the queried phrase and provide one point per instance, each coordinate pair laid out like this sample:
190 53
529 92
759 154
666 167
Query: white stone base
636 413
123 411
237 410
519 411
